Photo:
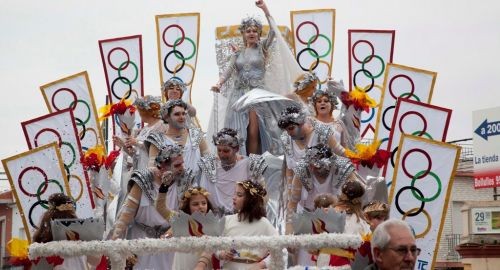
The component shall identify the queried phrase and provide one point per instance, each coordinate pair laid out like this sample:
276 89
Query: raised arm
270 36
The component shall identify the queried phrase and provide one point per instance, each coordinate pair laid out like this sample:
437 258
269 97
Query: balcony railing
453 240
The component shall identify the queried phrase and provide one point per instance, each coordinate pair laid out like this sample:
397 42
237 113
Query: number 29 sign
485 220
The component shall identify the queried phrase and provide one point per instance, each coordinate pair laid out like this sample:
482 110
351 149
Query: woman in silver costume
248 66
324 103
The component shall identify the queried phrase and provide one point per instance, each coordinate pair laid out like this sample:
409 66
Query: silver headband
291 115
175 82
320 156
226 139
169 104
148 103
308 79
167 153
332 98
249 22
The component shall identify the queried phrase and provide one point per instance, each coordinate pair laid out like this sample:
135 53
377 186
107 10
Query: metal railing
453 241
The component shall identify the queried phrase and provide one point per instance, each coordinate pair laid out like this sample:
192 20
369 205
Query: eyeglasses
402 251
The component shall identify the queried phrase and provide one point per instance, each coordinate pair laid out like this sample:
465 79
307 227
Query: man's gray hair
381 236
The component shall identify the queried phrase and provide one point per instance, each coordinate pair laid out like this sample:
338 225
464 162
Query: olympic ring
81 188
82 133
302 24
182 57
122 68
187 65
383 140
366 89
425 133
165 61
39 193
59 140
88 109
429 162
369 118
68 174
113 88
393 154
19 180
301 52
95 133
383 117
361 41
408 94
59 90
438 181
73 151
366 61
327 40
109 57
417 114
401 76
329 71
429 222
31 212
410 214
165 30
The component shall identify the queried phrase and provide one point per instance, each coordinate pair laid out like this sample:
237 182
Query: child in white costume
250 220
194 199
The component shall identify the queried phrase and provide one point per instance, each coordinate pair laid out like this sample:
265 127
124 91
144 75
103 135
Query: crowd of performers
266 168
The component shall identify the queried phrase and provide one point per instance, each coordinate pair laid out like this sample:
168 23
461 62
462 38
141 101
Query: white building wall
462 190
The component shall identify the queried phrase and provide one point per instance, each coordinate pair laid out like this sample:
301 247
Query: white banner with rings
420 191
35 175
369 53
419 119
60 127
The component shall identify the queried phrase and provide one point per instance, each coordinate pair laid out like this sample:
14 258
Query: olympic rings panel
123 69
314 40
178 41
369 53
415 118
422 181
64 126
34 176
75 92
403 82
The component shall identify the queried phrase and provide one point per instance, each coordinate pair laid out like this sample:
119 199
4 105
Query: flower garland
119 249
